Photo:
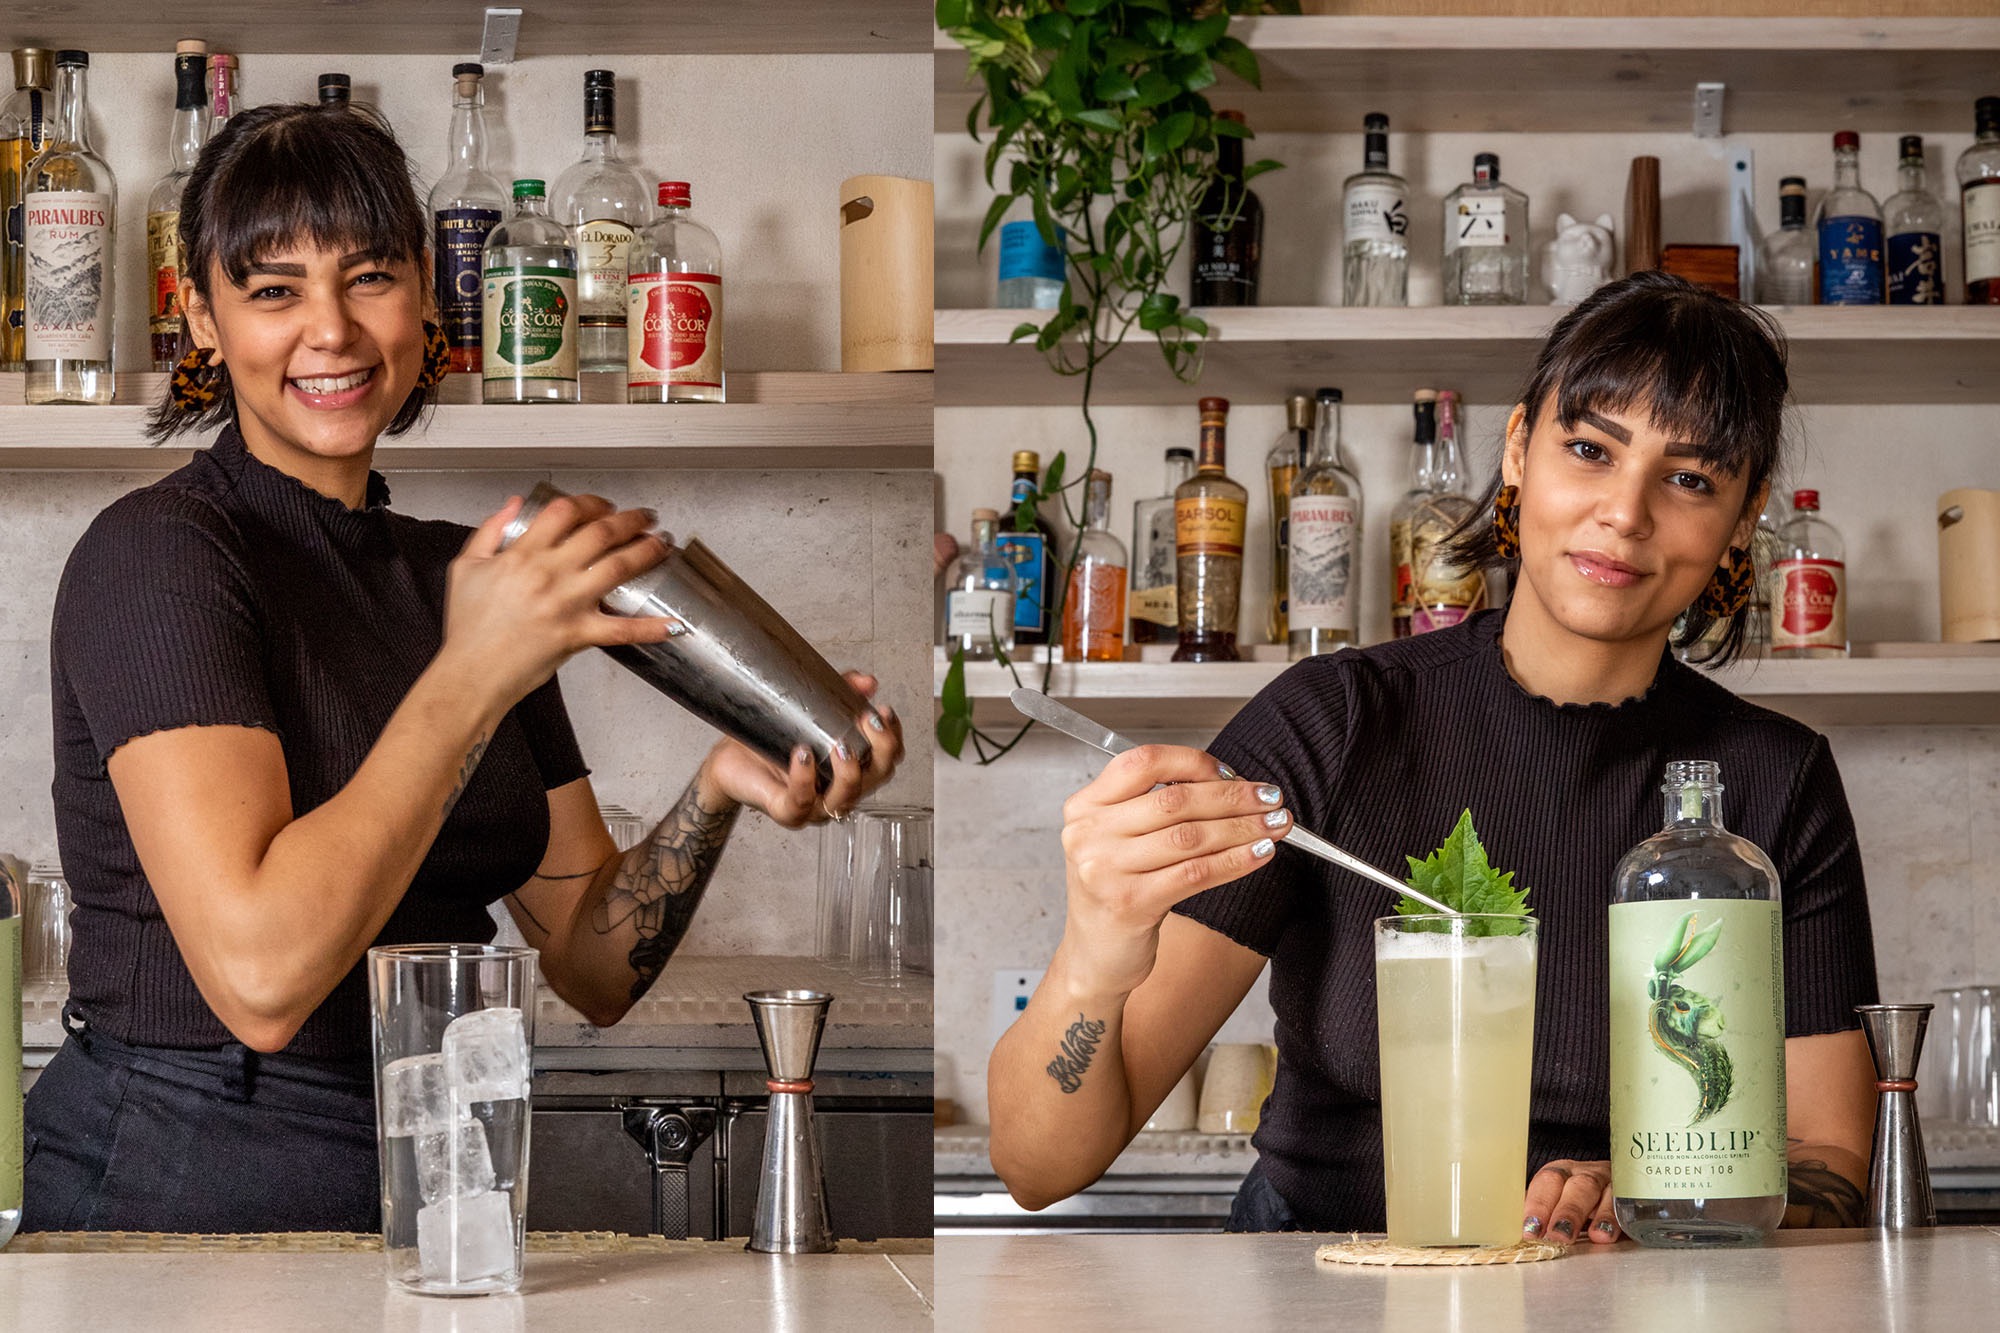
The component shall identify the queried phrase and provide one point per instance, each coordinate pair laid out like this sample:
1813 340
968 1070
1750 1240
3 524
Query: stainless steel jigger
791 1189
1899 1178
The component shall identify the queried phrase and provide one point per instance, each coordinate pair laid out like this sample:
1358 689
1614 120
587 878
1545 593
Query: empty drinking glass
45 946
834 944
891 929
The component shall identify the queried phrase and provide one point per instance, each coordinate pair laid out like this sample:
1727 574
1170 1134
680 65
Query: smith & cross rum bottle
465 206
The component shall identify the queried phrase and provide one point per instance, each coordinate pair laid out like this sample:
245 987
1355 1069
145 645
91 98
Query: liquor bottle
1697 1028
1229 230
1913 228
1287 456
1486 239
1209 514
979 596
1808 585
1032 552
1785 259
163 207
673 311
1441 593
1423 471
221 91
12 1142
69 220
603 203
1375 265
528 321
1979 204
1152 606
1032 272
1094 610
1763 561
465 206
26 118
1848 226
336 90
1325 566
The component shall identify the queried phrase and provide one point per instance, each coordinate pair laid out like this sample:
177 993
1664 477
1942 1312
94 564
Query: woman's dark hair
1709 370
282 175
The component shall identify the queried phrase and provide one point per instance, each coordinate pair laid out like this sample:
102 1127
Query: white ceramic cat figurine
1578 260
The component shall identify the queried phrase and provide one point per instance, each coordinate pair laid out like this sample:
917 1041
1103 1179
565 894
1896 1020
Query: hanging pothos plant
1098 121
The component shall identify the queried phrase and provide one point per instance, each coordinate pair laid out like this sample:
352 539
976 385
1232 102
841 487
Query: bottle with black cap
1979 199
1913 230
69 222
603 203
163 207
1785 259
465 206
336 91
1486 239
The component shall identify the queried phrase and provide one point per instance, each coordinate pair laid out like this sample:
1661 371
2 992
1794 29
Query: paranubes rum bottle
1697 1028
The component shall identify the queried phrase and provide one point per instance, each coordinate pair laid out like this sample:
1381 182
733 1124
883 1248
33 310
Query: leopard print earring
1728 589
437 357
1507 522
197 382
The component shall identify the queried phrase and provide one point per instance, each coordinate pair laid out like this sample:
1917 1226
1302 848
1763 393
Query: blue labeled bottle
1030 552
1849 230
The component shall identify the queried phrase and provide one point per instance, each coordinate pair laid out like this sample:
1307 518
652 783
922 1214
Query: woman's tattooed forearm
1073 1057
1829 1198
465 770
660 883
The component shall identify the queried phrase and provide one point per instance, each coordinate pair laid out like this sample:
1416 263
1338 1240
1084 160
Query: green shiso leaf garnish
1459 876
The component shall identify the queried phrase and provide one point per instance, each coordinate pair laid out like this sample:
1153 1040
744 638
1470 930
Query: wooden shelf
773 420
1612 75
1877 354
548 27
1882 684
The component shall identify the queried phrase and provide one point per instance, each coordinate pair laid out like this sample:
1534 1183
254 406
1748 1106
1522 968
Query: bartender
291 723
1635 465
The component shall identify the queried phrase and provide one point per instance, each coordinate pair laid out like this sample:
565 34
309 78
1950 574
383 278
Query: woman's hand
1568 1200
1158 825
735 772
514 616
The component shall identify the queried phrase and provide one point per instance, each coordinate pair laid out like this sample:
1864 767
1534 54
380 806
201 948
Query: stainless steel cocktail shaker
734 662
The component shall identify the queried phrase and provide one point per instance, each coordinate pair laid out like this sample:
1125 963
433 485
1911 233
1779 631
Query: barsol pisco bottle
1697 1028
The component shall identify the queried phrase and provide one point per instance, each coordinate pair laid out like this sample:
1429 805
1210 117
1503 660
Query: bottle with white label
979 595
1978 174
1697 1028
603 203
1485 239
1152 606
1324 568
673 314
69 214
528 322
1375 254
1808 585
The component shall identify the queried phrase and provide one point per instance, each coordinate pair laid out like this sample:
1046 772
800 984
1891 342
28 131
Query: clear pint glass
454 1025
1456 1013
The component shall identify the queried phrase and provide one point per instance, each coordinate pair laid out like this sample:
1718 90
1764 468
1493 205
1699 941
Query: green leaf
1228 129
1157 310
1023 331
954 722
1115 85
1098 119
1052 479
1256 169
994 212
1051 30
1458 875
1200 36
1239 60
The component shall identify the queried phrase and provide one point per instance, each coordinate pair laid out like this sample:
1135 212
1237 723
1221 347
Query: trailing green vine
1099 122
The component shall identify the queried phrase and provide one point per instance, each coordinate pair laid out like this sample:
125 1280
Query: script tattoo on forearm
660 883
1073 1057
465 770
1829 1198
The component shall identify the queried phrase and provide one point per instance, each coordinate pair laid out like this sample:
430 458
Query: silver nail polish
1270 795
840 749
875 722
1262 847
1276 818
1225 772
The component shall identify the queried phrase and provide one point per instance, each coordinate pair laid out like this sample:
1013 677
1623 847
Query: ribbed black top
1379 750
231 593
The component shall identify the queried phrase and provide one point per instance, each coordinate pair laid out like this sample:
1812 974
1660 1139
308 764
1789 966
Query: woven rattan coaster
1381 1254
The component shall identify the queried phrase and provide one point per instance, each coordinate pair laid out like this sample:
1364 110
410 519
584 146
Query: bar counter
1811 1281
56 1282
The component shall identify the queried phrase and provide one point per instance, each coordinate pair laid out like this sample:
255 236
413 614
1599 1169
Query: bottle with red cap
1849 228
673 317
1809 585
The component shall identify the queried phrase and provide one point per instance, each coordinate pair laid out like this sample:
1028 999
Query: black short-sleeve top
229 593
1379 749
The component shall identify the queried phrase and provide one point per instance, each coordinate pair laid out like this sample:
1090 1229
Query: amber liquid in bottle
1209 513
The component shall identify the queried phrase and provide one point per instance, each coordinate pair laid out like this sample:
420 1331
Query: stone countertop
1947 1279
961 1151
59 1282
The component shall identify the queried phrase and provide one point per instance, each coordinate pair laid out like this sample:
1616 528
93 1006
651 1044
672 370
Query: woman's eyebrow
1673 449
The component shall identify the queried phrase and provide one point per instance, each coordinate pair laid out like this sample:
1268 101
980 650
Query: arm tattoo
1831 1199
660 883
465 770
1073 1057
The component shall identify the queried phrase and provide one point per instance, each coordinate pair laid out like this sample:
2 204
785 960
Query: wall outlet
1011 990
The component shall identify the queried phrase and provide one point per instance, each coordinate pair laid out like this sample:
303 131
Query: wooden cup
886 317
1969 565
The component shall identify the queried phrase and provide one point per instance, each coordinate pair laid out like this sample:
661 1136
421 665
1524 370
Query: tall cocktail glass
1456 1013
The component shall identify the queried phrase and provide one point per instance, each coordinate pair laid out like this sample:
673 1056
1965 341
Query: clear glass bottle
69 219
1375 255
163 206
1485 239
1209 513
1152 606
1423 471
26 118
1324 571
1441 593
1094 610
465 206
1697 1029
528 320
979 595
1032 553
1848 228
1228 234
1785 259
1287 456
1978 174
1913 232
1032 271
603 203
221 91
1809 585
1763 560
673 312
12 1141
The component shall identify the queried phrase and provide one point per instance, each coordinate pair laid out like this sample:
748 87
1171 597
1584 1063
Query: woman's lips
323 398
1601 569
